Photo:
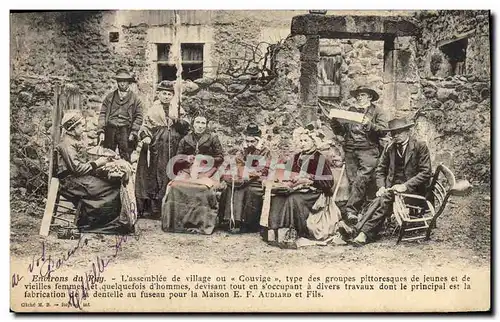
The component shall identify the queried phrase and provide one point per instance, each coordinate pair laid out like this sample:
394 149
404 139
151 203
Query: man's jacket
129 110
417 167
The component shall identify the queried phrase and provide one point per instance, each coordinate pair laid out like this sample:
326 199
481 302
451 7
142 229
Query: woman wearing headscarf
160 135
241 201
190 204
311 176
87 184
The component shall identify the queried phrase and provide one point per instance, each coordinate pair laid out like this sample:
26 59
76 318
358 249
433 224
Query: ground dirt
462 239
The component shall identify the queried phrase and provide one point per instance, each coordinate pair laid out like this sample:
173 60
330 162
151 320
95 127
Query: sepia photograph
250 161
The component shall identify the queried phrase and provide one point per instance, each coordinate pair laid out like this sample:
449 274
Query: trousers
372 221
118 137
360 166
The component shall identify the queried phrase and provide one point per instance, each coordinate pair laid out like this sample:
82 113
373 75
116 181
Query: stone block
406 67
310 50
400 27
217 88
355 68
316 24
444 94
346 48
429 92
330 50
403 43
449 105
365 24
367 53
309 83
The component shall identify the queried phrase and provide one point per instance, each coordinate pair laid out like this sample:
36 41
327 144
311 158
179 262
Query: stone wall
362 63
37 65
441 27
455 110
273 107
456 124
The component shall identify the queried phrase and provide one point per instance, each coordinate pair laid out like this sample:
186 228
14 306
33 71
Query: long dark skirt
189 208
247 206
152 180
98 203
292 210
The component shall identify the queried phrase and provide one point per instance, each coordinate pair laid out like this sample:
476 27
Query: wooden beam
55 128
49 207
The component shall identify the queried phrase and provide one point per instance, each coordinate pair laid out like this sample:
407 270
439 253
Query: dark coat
417 169
206 144
316 161
131 103
151 182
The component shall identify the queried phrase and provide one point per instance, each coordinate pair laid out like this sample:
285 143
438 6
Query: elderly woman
311 176
241 201
160 133
88 185
190 204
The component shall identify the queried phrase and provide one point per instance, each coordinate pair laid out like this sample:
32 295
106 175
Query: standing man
361 147
404 167
121 117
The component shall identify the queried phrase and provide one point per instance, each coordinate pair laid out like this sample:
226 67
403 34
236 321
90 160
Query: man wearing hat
361 147
404 166
120 117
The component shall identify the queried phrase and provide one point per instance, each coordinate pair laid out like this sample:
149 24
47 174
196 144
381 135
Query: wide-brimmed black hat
253 130
166 86
123 74
398 124
362 89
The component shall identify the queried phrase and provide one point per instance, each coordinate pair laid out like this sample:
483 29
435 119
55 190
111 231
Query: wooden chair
57 206
417 215
66 97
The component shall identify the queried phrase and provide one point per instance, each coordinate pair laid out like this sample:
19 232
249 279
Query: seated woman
94 190
190 204
294 200
241 201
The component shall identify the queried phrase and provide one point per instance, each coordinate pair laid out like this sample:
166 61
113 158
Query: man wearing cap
404 166
120 117
361 147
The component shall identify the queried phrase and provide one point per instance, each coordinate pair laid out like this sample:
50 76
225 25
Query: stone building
436 63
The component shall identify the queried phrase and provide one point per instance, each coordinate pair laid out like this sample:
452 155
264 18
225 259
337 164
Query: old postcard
250 161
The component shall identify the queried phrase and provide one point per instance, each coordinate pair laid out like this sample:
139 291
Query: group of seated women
200 188
297 187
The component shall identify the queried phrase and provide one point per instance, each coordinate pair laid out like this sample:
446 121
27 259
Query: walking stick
232 222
